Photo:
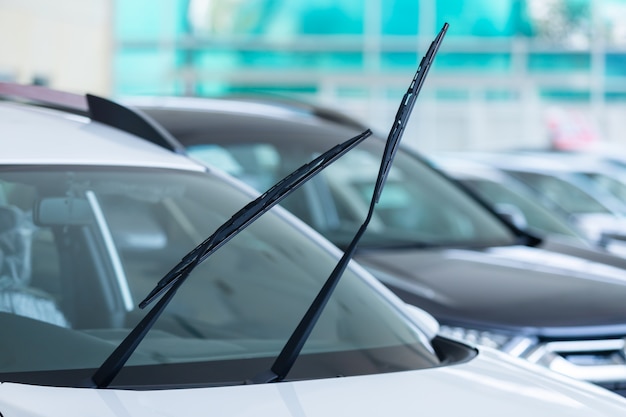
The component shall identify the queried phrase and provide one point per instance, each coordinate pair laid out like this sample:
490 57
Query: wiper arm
177 275
290 352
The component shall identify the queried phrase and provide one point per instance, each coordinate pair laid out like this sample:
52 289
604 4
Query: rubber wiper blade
404 111
291 350
170 283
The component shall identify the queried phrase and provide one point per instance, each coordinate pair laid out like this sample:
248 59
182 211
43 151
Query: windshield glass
538 218
417 207
81 247
561 193
614 184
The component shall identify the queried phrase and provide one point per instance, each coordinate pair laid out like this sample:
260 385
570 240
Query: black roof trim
132 121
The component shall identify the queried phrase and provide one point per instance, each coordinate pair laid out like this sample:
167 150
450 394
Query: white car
92 217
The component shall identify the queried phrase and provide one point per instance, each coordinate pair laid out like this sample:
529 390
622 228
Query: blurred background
511 74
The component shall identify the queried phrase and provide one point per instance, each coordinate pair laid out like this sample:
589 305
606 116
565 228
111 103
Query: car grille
599 361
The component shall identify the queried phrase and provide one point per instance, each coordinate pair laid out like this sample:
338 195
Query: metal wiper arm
177 275
290 352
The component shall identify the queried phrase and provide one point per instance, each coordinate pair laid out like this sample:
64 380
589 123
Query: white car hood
489 385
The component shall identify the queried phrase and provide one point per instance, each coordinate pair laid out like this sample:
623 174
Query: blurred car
605 173
485 280
556 184
516 203
602 174
509 197
91 217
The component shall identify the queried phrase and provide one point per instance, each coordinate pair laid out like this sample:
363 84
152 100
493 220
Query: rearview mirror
62 211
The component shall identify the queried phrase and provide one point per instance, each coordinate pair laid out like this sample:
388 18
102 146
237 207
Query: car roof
581 162
519 161
245 120
463 168
39 135
268 106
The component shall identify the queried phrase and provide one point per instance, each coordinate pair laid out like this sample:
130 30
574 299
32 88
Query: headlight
512 344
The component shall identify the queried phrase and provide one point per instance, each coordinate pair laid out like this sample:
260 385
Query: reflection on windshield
99 240
417 206
561 193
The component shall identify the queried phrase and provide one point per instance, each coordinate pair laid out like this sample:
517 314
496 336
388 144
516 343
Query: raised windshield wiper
175 278
288 355
177 275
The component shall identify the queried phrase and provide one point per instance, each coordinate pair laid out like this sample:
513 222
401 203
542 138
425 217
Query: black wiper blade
177 275
404 111
290 352
252 211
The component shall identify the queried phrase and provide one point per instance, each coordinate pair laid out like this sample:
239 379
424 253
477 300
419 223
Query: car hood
517 287
614 254
490 385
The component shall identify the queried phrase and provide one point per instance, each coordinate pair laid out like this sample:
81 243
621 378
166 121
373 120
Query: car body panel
77 141
516 287
511 388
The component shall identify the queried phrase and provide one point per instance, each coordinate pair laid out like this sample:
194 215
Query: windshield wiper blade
291 350
404 111
170 283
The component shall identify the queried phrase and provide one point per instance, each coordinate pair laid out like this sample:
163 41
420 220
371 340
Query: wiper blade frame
290 352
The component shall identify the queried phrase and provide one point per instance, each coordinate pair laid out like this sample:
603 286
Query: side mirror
607 237
512 214
424 320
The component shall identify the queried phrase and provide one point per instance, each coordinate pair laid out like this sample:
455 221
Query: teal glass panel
391 60
479 61
613 97
559 62
338 17
214 59
482 18
279 19
145 71
615 64
353 92
252 89
565 95
501 95
149 20
452 94
282 60
400 17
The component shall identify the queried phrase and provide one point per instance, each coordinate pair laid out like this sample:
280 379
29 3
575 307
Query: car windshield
561 193
418 207
614 184
538 218
80 247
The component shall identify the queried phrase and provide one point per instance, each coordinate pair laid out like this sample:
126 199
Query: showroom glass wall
507 70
